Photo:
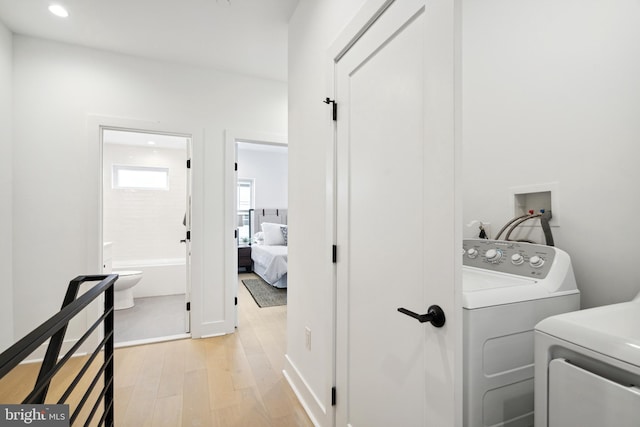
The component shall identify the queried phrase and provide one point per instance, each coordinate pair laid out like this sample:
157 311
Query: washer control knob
517 259
472 253
493 255
536 261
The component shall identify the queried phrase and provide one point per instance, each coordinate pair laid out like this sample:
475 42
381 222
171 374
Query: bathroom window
140 177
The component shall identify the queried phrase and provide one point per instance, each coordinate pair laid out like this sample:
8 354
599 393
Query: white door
396 225
187 224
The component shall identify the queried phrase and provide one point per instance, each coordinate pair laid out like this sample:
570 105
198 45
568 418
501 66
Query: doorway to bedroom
261 191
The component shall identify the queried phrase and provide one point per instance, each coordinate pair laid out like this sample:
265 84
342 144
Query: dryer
508 287
587 368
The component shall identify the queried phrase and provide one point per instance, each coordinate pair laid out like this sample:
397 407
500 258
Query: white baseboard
211 329
38 354
151 340
214 335
313 406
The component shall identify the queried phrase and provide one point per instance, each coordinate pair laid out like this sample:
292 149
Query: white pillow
272 234
259 237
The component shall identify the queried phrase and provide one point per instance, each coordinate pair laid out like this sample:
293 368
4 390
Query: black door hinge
334 254
235 233
335 107
188 163
189 306
189 235
236 301
333 396
236 166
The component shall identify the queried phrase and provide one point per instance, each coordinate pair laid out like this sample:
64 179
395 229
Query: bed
269 245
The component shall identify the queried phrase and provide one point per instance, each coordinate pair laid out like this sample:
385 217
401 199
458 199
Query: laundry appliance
587 367
508 287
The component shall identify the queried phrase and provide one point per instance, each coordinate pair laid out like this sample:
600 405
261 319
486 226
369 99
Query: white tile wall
144 224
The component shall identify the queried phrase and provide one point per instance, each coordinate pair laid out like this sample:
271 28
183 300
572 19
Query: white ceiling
244 36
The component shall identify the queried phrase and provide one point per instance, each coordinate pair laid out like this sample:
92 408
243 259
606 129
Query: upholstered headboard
276 216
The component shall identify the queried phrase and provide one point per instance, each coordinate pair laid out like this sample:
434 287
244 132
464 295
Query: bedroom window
245 202
140 177
245 194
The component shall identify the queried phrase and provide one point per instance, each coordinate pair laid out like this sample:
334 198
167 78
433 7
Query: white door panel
385 370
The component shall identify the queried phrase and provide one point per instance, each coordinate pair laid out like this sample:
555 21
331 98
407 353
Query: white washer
588 367
508 287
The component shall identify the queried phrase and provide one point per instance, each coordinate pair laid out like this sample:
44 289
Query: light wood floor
230 381
233 380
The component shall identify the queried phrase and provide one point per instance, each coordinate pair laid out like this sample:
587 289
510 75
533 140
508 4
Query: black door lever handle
435 315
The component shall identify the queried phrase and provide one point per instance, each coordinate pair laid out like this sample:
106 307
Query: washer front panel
521 259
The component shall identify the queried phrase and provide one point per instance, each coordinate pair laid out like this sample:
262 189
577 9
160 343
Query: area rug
264 294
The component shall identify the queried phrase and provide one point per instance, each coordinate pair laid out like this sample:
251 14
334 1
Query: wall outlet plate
307 338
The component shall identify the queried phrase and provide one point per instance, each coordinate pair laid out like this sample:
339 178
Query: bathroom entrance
146 223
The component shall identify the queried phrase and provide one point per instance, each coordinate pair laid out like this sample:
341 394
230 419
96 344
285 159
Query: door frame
95 126
445 27
232 137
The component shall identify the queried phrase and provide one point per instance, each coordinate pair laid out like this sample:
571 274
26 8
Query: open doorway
260 188
146 188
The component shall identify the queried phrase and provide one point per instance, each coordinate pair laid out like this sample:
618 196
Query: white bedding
272 262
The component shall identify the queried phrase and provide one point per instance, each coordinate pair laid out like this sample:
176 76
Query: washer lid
474 280
612 330
482 288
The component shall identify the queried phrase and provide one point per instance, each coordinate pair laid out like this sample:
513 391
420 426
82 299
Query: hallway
232 380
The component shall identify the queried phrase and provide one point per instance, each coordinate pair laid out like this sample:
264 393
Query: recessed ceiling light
151 142
58 10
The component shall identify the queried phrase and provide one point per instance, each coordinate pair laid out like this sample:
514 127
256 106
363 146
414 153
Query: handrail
55 328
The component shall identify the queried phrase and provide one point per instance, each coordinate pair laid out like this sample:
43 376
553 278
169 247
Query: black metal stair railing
54 329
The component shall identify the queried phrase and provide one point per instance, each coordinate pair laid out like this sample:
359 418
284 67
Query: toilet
123 289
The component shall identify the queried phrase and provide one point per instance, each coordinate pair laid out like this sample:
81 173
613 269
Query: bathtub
164 276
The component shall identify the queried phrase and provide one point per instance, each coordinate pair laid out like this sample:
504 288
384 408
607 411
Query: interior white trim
310 402
211 329
370 11
232 136
37 356
151 340
95 124
365 17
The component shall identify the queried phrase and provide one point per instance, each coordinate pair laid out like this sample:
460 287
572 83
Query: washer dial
493 255
536 261
517 259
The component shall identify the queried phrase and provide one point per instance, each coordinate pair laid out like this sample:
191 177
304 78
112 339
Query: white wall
312 28
145 224
56 87
270 172
551 94
6 202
